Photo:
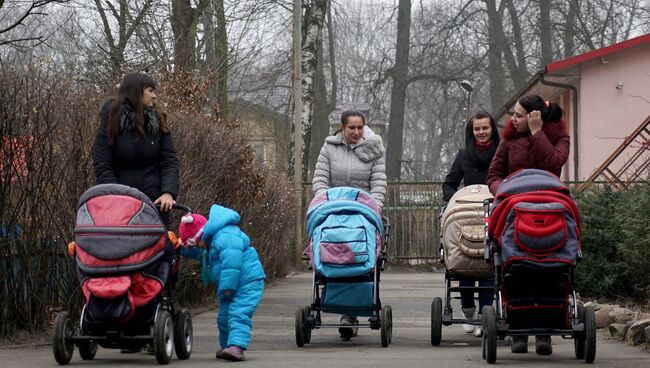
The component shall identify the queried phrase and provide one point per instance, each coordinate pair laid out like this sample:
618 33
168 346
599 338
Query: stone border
624 324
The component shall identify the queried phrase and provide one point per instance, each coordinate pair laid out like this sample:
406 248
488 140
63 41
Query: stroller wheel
579 337
436 321
183 334
87 350
489 343
386 326
590 334
163 337
307 333
62 345
300 327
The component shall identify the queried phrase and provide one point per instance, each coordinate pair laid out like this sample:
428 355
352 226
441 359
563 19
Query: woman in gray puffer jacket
354 156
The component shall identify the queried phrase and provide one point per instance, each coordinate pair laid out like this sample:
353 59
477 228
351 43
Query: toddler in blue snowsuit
234 266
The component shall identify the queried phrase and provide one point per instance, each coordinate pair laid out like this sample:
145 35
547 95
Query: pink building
605 95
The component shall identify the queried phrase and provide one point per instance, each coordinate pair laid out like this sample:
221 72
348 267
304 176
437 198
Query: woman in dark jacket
472 163
535 138
470 167
133 145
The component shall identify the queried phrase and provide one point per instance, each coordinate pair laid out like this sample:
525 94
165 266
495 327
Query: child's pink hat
191 229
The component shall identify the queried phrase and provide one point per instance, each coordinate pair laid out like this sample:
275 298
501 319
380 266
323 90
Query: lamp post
467 86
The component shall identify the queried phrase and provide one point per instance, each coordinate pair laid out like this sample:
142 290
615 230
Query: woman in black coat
133 145
471 167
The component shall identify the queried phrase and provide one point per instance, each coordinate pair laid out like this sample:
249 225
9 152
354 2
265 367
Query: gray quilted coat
362 165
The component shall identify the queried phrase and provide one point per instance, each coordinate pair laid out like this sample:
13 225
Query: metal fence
413 210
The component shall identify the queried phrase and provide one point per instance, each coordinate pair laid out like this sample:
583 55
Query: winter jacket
148 164
233 262
462 169
547 150
362 165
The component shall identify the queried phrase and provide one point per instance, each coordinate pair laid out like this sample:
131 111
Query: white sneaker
468 328
478 332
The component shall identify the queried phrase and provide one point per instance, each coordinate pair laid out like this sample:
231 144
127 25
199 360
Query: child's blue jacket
233 262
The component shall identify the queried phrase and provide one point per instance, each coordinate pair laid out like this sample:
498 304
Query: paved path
274 345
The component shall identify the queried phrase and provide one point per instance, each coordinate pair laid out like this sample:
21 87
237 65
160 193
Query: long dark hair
482 160
130 92
550 110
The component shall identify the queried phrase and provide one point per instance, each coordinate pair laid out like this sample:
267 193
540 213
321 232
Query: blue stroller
346 254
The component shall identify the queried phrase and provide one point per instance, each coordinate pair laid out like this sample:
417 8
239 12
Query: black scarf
127 121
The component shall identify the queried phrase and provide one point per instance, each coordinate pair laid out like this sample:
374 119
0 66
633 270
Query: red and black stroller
126 264
533 244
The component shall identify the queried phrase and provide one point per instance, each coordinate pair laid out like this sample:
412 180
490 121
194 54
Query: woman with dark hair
353 157
471 167
534 138
133 145
472 163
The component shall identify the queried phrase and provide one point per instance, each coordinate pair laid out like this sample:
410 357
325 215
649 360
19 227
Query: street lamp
467 86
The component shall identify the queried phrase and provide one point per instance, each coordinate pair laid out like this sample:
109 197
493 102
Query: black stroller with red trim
126 263
533 244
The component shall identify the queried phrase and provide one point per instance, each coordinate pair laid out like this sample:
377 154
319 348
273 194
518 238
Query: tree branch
107 27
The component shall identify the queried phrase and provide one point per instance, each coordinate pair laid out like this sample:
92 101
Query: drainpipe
574 97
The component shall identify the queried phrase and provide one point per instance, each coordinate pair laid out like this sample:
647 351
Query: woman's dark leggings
484 297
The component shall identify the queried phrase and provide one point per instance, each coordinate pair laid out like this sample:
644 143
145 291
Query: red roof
579 59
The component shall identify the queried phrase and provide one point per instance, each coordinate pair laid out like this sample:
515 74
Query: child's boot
220 354
233 353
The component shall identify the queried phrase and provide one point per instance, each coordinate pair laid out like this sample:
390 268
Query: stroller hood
342 200
463 232
116 227
345 229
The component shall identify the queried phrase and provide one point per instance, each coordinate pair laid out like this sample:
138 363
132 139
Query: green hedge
616 244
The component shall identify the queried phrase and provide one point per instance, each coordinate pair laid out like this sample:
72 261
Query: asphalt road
273 343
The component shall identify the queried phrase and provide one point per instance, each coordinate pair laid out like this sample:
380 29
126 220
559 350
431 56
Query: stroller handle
177 206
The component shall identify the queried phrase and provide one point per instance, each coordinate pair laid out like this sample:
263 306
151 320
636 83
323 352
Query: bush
615 244
47 128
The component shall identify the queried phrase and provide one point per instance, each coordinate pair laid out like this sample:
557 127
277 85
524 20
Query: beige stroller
462 231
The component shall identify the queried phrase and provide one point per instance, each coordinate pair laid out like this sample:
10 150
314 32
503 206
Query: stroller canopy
535 219
345 230
117 229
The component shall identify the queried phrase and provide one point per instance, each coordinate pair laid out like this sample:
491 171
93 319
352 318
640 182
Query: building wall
607 114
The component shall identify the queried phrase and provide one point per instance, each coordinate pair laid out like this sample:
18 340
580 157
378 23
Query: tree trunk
496 74
568 38
545 33
221 48
517 66
184 21
312 39
398 92
322 107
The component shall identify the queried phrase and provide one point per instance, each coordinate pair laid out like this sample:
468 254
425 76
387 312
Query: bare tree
322 105
10 33
399 74
312 39
126 26
216 53
184 21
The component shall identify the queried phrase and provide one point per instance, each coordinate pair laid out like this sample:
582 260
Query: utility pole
297 131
